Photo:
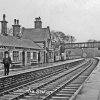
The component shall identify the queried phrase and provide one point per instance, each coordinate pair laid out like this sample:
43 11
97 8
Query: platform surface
91 88
33 68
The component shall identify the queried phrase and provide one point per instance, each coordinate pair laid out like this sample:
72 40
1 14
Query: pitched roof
40 34
13 41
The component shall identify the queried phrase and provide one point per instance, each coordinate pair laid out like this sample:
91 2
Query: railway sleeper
26 80
64 94
59 98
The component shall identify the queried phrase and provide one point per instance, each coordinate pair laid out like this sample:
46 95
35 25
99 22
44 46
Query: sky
80 18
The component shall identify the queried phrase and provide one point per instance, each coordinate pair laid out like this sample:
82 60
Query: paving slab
91 88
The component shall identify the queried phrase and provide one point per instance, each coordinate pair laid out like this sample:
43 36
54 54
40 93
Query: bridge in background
82 45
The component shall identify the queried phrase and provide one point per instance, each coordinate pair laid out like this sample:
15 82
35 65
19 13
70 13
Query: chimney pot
14 21
39 19
48 27
4 17
17 22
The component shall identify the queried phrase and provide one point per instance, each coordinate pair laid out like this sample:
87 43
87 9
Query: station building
22 51
42 37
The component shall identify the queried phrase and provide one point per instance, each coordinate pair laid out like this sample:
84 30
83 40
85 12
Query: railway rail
22 78
69 89
42 85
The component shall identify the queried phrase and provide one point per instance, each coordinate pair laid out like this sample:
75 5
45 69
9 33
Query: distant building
42 37
22 51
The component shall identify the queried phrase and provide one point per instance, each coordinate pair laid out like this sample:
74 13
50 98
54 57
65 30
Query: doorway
23 58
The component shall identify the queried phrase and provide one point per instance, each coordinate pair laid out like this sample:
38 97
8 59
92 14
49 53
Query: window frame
34 55
15 56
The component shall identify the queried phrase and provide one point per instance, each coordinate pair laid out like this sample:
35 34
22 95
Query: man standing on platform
6 61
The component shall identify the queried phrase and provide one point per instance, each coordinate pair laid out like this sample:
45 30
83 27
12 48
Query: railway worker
6 61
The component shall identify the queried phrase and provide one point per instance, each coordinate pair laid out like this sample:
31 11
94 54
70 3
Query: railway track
56 87
69 89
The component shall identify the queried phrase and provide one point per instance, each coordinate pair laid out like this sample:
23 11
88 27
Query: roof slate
41 34
13 41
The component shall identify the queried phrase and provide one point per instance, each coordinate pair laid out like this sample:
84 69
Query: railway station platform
91 87
36 67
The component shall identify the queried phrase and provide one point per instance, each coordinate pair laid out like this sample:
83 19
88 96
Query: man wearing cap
6 61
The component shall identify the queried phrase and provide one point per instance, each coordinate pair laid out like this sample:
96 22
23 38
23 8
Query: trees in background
63 38
70 38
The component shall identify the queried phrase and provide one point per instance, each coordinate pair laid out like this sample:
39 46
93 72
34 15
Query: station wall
19 58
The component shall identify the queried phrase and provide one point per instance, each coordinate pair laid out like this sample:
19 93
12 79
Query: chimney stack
16 28
4 25
38 23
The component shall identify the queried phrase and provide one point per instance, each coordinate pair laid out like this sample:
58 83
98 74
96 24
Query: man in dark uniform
6 61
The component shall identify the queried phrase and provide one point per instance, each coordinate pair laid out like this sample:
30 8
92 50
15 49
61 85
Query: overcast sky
80 18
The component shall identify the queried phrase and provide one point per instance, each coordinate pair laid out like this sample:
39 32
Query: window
28 57
1 55
20 55
15 56
11 55
34 56
31 55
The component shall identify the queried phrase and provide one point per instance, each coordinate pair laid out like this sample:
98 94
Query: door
23 58
39 57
